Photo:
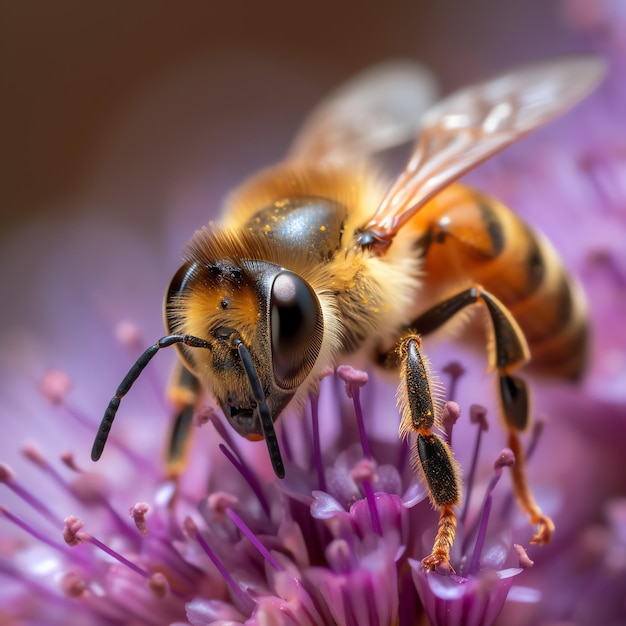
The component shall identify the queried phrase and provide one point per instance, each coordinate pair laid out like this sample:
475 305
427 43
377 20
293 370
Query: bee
321 260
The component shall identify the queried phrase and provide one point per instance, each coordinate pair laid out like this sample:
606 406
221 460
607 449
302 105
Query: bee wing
380 108
476 122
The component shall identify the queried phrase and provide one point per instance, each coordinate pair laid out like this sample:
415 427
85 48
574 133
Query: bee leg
419 399
508 351
523 494
184 391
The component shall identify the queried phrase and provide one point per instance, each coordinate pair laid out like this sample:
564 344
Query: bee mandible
321 260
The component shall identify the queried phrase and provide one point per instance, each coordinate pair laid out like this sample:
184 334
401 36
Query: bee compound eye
296 329
181 282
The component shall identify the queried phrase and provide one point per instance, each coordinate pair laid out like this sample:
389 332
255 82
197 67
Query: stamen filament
254 540
506 459
356 400
6 476
371 503
477 416
244 598
455 370
31 530
33 454
317 449
233 453
116 555
248 476
354 380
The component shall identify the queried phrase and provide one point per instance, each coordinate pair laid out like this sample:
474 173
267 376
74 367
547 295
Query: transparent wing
475 123
377 109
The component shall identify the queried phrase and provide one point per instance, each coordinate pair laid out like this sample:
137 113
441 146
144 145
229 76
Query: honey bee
320 260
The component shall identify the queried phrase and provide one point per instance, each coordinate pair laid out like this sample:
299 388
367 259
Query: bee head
265 327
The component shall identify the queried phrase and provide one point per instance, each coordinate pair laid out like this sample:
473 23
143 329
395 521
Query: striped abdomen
470 237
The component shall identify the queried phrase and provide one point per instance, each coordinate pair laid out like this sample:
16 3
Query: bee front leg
420 403
508 351
184 392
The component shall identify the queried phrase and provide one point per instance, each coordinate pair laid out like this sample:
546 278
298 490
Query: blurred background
117 100
126 123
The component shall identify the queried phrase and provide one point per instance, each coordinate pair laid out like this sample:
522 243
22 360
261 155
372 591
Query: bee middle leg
184 392
508 351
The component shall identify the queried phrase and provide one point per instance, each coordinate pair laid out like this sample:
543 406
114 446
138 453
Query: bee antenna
267 424
130 378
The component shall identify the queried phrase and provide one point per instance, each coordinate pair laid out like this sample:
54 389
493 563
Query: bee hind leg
508 351
419 398
523 494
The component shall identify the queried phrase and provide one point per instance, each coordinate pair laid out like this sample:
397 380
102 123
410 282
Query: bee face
273 311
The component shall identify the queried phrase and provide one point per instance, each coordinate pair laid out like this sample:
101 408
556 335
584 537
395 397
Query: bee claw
439 563
545 530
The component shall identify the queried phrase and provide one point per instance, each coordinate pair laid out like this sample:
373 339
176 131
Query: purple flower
332 544
341 539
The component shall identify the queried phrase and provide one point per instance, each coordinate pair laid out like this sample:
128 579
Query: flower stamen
138 512
73 585
525 562
478 415
317 448
67 458
450 416
506 458
243 527
248 476
8 478
455 370
130 337
242 596
87 489
26 527
55 386
355 379
74 535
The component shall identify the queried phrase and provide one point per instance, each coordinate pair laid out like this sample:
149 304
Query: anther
138 512
72 585
6 473
73 531
449 417
352 377
129 335
524 560
506 458
454 370
339 555
33 453
218 504
478 415
55 385
67 458
158 584
364 470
